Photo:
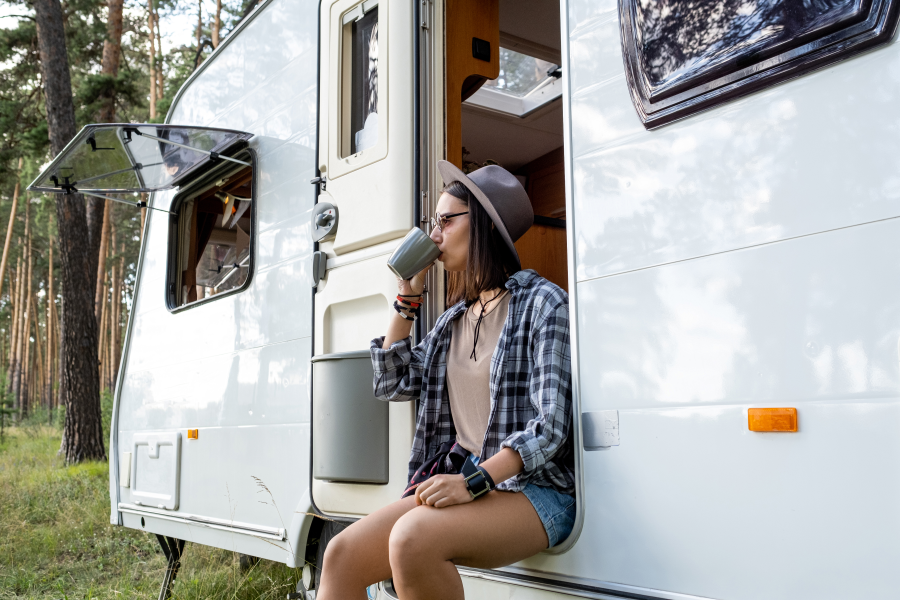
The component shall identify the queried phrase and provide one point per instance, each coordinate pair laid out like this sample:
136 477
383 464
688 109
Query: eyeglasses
439 220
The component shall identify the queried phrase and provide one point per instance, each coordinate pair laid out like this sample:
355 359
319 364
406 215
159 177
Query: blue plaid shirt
531 385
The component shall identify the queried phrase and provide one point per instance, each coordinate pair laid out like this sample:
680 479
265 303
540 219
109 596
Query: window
683 56
525 84
360 71
211 237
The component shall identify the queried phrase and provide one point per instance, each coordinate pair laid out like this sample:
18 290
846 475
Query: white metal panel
802 157
692 501
156 464
237 367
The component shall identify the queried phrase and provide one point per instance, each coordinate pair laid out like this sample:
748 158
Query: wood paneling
467 19
543 249
547 184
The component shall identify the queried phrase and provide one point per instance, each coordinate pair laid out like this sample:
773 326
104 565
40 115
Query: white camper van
716 186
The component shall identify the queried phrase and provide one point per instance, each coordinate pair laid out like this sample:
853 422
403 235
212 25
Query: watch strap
478 480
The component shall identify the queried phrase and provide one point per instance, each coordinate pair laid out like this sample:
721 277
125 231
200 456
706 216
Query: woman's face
453 241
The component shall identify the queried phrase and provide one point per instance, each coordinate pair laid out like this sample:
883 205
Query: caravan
715 185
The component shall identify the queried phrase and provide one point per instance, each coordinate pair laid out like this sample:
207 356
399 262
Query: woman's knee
409 544
338 552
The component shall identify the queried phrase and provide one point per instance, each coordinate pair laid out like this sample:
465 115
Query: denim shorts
555 509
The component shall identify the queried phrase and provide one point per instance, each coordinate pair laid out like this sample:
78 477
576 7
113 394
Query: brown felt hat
500 194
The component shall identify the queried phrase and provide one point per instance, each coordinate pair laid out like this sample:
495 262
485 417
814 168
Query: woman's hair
490 260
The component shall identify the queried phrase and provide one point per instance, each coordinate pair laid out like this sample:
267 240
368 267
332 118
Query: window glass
520 74
363 31
684 56
213 240
686 42
133 158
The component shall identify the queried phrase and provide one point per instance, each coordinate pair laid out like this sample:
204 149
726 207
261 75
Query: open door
367 201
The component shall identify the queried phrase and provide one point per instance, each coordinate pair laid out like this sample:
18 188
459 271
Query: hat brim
450 173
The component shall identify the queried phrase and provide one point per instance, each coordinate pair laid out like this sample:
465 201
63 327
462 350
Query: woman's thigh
360 552
494 531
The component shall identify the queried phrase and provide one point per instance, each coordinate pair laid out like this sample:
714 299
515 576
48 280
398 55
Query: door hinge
423 13
423 207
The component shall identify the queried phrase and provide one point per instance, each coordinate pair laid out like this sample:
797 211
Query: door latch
319 264
324 222
320 181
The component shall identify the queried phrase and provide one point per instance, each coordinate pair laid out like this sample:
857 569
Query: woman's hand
442 491
414 286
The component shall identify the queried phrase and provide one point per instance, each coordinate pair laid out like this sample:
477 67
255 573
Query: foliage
56 540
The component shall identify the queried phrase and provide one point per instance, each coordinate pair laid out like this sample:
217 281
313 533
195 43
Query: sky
177 30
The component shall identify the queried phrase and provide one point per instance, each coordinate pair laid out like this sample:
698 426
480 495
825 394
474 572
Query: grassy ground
56 541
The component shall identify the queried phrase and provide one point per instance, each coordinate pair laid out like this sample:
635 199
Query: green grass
56 541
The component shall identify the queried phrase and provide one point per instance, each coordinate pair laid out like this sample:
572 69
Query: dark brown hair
490 261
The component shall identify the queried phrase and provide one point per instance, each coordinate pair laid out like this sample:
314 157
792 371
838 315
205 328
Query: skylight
525 84
520 74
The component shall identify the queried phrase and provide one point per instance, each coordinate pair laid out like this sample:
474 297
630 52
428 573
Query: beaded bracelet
408 313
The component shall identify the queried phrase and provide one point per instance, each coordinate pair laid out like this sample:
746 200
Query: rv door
367 173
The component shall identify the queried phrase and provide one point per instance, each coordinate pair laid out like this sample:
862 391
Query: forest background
127 60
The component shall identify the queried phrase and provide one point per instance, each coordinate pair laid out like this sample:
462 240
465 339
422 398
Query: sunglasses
439 220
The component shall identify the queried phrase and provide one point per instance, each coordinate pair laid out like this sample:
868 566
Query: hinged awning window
134 157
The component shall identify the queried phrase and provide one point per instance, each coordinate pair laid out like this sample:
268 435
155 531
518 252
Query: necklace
484 306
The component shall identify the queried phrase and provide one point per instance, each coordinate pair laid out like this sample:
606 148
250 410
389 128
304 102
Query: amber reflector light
772 419
192 434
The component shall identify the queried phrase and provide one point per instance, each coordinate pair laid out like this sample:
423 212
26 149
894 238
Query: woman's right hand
414 286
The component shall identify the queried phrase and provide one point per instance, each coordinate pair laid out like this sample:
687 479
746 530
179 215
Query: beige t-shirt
468 380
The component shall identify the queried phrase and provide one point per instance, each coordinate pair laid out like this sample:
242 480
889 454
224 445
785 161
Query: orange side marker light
193 433
772 419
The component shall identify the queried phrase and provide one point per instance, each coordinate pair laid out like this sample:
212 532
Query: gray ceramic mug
414 253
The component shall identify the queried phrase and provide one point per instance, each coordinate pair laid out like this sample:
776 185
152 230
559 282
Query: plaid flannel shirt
530 385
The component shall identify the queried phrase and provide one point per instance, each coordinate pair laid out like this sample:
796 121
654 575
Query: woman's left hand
442 491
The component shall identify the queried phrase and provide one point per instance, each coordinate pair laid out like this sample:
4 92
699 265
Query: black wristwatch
478 481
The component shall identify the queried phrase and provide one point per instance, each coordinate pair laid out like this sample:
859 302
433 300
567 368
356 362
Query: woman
493 378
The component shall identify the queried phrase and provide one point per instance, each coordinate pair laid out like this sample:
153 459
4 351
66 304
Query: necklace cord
484 306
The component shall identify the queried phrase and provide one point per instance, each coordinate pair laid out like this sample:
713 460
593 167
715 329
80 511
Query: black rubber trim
549 222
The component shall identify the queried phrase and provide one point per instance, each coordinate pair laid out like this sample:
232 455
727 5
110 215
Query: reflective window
520 74
683 54
212 238
361 78
133 158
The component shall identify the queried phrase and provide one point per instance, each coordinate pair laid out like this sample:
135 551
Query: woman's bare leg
427 543
358 556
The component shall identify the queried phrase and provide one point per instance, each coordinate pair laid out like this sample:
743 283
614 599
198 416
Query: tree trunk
9 228
160 72
112 51
48 372
117 323
22 346
217 24
199 22
38 379
101 263
25 391
104 318
80 385
14 325
150 25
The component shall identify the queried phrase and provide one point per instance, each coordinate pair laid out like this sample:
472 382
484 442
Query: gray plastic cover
350 425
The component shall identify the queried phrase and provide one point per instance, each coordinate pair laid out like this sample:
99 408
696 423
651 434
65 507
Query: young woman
493 378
